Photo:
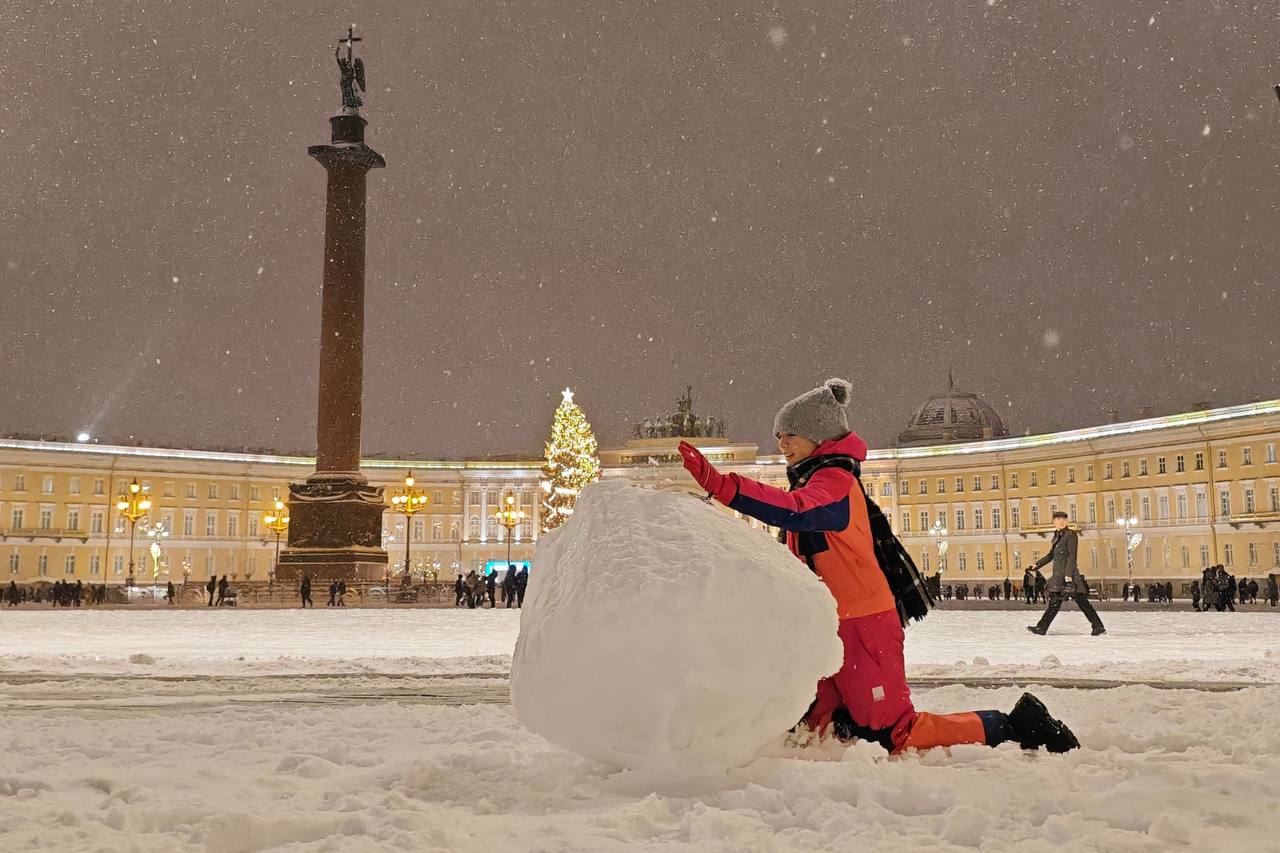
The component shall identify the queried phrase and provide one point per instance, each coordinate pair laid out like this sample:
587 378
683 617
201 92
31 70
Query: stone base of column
335 530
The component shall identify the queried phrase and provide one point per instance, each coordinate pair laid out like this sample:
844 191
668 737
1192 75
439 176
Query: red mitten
701 470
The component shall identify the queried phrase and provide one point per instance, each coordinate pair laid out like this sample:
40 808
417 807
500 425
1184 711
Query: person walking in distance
210 587
1065 581
222 590
305 591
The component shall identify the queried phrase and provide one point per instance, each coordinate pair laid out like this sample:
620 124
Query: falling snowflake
1052 337
778 36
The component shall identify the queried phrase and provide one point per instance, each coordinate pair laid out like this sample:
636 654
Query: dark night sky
1073 204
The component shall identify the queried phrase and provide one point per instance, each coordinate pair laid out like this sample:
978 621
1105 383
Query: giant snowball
660 632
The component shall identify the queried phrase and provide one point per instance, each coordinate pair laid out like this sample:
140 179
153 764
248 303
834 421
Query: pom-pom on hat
817 415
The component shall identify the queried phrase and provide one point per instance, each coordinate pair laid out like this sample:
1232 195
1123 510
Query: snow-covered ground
326 730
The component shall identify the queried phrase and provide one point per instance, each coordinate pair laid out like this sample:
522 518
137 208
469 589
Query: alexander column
335 528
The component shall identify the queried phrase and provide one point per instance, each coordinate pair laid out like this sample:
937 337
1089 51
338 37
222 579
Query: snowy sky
1073 205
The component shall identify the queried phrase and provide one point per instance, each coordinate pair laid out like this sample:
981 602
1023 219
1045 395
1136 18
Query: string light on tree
571 463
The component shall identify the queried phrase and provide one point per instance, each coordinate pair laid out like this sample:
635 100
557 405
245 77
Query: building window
1275 499
1179 463
1015 520
95 522
473 527
69 565
1249 507
995 518
924 520
1186 557
1146 509
1088 473
1202 508
904 487
15 562
906 521
1222 459
1142 467
924 487
1128 507
99 486
982 563
1199 461
977 484
46 517
208 566
168 488
46 485
1161 468
210 524
886 489
19 482
235 491
1033 479
254 493
73 519
213 491
1124 468
977 518
959 484
419 529
1164 507
189 522
1246 456
1013 480
1053 476
73 486
1276 555
1071 474
1224 503
233 525
959 519
961 560
1182 506
1204 556
1093 513
1271 453
1107 471
1111 557
1035 514
1111 510
1228 555
995 481
455 531
191 490
942 486
253 527
1253 553
924 562
437 531
999 562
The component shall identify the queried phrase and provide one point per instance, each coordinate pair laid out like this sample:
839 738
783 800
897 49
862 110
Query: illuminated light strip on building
1268 407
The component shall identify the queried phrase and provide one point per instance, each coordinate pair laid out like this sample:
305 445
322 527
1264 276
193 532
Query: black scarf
910 593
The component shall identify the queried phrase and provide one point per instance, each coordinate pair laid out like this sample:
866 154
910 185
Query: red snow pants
872 686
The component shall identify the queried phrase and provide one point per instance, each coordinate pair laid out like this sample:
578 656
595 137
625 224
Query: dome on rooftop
952 417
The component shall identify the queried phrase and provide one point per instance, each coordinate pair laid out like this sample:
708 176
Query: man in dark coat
1273 590
222 590
1065 581
210 587
491 587
1008 588
305 591
459 591
522 583
1195 595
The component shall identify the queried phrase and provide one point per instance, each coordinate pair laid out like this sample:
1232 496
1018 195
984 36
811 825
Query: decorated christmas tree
571 463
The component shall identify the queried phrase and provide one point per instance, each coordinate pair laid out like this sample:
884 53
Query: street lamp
157 531
409 502
939 531
1132 537
277 521
133 505
509 517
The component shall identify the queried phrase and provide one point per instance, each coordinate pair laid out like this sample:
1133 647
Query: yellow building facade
1204 488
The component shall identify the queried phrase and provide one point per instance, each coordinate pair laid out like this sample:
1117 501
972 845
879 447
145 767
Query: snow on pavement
1161 769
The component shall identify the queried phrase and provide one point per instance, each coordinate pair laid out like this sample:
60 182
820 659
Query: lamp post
1132 537
939 531
157 531
133 505
409 502
277 521
509 517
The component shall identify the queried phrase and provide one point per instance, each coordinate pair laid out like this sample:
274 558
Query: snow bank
661 633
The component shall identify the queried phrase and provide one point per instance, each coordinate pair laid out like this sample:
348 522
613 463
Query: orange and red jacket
832 505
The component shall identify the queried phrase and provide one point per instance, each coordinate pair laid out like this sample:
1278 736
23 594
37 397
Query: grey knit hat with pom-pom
817 415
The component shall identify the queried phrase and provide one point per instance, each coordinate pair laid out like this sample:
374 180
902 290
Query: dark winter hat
1060 514
817 415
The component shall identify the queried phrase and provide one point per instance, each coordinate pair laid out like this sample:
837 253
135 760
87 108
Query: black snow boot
1033 728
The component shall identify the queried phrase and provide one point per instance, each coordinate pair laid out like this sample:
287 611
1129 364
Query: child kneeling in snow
827 524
